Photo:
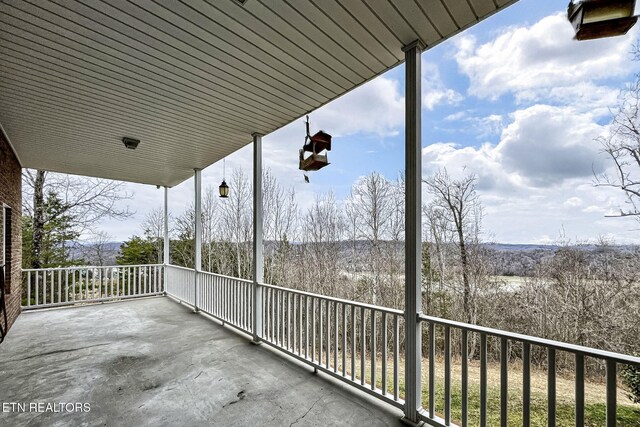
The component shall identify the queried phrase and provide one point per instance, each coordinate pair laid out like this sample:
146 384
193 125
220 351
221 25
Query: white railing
228 299
225 298
511 350
359 344
180 283
50 287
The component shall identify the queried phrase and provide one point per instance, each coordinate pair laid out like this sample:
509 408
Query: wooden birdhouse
317 147
594 19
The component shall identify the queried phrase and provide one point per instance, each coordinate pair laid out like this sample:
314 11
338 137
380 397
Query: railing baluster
313 329
28 289
344 340
373 350
384 353
396 355
447 375
306 327
579 390
483 380
37 288
268 308
44 287
66 285
464 381
295 324
280 310
320 319
288 321
611 393
335 337
432 369
363 349
59 286
526 384
551 387
282 320
504 382
353 343
300 313
328 356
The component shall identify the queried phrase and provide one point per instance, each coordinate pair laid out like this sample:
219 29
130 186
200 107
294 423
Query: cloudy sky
514 100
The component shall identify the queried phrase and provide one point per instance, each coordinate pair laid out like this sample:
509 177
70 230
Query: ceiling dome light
130 143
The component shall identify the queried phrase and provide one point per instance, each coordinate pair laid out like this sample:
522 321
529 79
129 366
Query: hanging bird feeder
595 19
317 145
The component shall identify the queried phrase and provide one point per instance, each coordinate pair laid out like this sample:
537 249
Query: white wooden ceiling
192 79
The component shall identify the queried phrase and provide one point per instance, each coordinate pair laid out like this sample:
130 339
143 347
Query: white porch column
165 257
258 244
197 265
413 232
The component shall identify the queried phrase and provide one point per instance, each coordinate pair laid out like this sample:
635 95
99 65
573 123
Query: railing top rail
85 267
227 277
572 348
179 267
338 300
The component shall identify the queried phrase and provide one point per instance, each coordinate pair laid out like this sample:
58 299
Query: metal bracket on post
258 244
198 234
413 233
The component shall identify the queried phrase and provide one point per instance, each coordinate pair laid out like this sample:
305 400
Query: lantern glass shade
224 189
594 19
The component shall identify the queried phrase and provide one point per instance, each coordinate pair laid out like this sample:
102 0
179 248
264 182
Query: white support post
197 265
413 233
258 244
165 257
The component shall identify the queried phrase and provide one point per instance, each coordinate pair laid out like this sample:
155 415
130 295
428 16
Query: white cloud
541 147
542 60
537 180
546 145
573 202
434 91
376 108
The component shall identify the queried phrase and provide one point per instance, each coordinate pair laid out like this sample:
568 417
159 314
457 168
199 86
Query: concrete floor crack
57 352
308 410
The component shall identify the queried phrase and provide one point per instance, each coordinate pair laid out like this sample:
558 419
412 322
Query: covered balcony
160 344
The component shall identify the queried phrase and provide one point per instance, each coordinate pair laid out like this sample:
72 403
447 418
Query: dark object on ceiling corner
595 19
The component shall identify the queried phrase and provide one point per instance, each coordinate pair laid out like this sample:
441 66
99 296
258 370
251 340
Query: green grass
627 415
595 413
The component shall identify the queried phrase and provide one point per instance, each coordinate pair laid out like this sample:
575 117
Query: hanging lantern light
224 188
594 19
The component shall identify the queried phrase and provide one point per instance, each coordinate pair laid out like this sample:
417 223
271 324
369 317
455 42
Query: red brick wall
11 195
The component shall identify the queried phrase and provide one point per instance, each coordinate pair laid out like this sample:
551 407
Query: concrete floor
154 362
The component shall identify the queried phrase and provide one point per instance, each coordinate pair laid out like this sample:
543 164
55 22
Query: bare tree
622 146
237 221
280 223
153 228
458 198
323 228
99 249
85 201
373 205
